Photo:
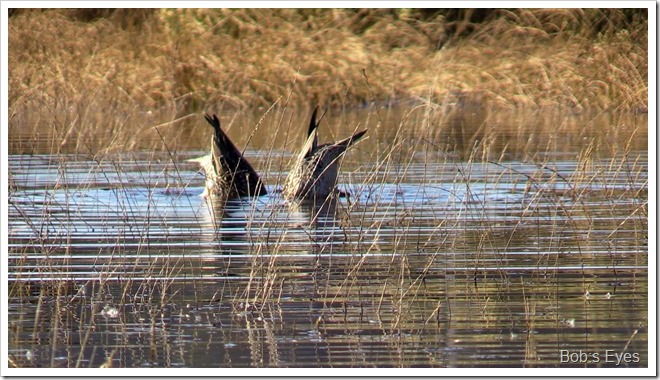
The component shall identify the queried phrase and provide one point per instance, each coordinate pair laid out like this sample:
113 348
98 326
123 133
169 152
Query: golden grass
383 269
110 84
103 73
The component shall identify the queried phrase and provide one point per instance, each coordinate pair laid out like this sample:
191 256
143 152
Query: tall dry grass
379 261
107 74
104 84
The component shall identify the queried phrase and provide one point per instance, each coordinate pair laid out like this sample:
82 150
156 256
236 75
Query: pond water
475 242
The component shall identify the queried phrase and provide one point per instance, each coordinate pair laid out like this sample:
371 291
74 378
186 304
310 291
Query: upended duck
313 176
228 174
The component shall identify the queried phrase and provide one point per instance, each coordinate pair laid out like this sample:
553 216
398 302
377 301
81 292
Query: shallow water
434 260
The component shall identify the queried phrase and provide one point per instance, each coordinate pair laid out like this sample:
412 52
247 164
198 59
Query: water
537 258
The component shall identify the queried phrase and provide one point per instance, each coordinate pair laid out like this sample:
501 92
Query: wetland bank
497 210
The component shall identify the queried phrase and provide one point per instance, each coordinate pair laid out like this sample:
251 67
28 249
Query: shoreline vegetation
506 195
107 68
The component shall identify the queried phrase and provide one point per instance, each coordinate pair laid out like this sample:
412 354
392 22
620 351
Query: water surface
457 247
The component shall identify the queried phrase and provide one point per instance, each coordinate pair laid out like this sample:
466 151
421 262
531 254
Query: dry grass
407 270
386 264
97 76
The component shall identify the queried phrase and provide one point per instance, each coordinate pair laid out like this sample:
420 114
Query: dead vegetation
102 72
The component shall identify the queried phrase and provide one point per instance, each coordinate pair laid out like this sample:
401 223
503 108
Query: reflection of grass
387 274
110 78
555 214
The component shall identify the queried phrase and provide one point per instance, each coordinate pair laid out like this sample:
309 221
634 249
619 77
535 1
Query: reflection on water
431 260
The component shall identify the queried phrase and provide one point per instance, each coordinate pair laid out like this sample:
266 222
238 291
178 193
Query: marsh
495 214
434 260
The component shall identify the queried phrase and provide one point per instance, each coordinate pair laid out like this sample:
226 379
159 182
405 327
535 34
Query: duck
229 175
313 175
